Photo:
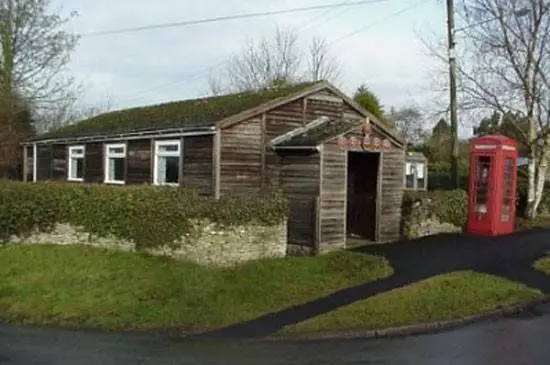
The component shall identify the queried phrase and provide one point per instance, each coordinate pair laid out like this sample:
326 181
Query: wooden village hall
340 168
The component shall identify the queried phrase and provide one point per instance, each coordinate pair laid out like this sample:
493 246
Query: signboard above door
367 141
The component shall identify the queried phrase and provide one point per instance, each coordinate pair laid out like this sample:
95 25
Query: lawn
77 286
442 297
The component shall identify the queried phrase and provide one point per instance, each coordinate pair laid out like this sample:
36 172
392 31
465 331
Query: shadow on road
510 257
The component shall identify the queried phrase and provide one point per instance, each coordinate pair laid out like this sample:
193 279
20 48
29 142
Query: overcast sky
155 66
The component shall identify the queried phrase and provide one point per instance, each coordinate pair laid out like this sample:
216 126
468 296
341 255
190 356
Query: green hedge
450 206
148 216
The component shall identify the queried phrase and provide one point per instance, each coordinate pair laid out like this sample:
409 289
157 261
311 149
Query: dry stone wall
208 244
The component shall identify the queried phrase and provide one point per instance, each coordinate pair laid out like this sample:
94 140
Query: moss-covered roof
320 133
180 114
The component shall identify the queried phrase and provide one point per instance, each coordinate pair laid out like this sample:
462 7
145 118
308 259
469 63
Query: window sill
114 182
167 184
75 180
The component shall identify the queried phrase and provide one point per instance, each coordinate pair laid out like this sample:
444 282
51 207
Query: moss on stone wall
208 243
433 212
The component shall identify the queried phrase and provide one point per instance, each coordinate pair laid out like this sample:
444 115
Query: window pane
420 170
30 167
410 181
116 150
482 185
116 169
507 195
168 169
168 148
409 175
119 169
77 151
79 168
172 169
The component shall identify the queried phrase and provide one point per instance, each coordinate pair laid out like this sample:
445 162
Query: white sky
169 64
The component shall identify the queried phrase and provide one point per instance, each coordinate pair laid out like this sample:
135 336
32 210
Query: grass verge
441 297
543 265
77 286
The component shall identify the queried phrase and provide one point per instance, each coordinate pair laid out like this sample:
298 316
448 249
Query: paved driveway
510 257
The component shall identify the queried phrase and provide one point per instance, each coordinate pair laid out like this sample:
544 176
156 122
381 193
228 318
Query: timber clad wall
139 162
197 163
392 194
59 164
93 162
324 103
30 159
333 197
279 121
300 183
241 158
44 162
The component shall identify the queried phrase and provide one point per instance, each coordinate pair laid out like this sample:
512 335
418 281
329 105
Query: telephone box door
481 197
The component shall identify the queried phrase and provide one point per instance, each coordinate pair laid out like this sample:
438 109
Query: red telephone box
492 188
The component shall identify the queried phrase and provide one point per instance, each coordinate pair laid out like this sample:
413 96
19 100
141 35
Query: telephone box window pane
507 193
482 185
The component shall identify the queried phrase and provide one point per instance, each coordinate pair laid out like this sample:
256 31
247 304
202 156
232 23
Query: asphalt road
503 341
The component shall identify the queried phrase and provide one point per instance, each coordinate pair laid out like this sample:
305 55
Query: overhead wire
196 75
370 25
226 18
220 61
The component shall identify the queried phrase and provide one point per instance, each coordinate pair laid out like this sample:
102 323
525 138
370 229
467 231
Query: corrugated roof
315 133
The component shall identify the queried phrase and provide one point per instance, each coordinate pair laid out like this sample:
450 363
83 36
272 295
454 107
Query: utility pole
452 87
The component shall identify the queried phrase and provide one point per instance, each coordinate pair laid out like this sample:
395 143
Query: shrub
450 206
148 216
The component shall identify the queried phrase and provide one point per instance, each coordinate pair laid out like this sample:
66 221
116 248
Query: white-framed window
76 163
115 163
415 175
167 162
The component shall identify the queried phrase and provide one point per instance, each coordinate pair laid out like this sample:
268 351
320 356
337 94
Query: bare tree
409 123
35 50
275 61
505 66
69 113
321 65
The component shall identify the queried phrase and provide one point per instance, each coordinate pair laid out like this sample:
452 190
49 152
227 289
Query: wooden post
262 152
25 162
216 164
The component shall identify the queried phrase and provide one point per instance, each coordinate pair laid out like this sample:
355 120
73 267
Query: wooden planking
279 121
29 163
44 160
317 107
59 163
391 195
240 158
93 162
139 162
333 197
299 173
197 163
